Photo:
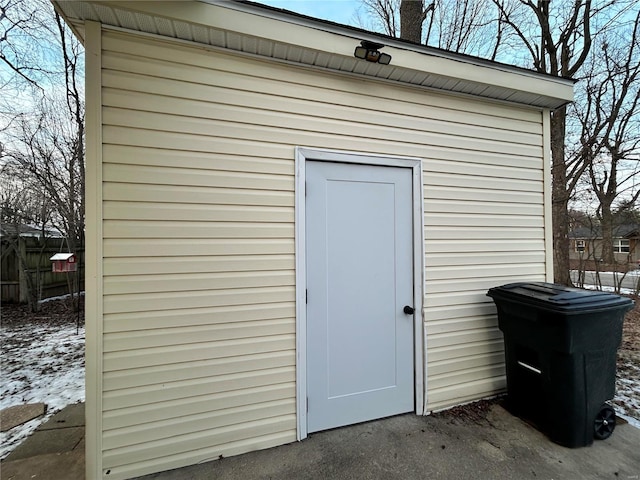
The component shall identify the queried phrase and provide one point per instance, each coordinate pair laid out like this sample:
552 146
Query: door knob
409 310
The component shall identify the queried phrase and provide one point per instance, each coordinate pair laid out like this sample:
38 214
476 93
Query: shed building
284 238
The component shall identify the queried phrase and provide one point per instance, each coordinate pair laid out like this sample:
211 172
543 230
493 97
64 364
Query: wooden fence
36 251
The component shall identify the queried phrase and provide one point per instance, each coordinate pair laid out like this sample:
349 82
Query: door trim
302 155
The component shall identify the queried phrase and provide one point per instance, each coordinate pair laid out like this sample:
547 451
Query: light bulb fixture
369 51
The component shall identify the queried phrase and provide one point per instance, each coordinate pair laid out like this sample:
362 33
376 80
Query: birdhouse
64 262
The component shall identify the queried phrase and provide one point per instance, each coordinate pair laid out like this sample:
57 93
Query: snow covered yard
627 399
42 360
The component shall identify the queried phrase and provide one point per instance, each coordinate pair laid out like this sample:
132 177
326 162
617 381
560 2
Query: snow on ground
41 362
615 276
60 297
604 288
627 399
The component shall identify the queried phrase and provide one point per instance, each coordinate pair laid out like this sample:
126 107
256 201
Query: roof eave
255 29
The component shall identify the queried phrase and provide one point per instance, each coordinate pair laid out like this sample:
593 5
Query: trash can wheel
605 422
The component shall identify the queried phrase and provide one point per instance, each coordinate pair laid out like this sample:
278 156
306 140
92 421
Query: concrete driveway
478 441
490 445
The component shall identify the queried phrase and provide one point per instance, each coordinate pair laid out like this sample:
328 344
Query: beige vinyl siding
488 231
198 222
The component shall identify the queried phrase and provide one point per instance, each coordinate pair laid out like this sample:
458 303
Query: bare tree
610 126
44 142
558 41
465 26
22 205
74 151
45 148
385 15
470 26
20 198
552 37
44 145
20 41
412 15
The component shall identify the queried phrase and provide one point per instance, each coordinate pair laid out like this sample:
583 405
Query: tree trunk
560 204
412 16
606 223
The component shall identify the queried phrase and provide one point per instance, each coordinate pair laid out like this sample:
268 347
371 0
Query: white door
359 251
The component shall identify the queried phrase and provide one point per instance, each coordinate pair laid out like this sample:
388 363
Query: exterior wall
593 251
198 346
486 224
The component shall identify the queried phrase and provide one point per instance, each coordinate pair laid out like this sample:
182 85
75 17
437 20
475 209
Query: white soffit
272 33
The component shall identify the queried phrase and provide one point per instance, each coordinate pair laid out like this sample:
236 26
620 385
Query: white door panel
359 278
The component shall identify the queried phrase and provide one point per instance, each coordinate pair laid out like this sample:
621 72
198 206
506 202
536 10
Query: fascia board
226 16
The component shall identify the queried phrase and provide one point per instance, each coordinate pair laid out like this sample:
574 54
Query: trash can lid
561 298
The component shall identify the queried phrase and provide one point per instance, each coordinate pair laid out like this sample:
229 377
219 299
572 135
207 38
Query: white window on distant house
620 245
580 244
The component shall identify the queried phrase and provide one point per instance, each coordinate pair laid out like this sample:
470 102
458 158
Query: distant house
586 243
283 237
12 230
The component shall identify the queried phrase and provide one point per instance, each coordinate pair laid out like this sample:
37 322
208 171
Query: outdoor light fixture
369 52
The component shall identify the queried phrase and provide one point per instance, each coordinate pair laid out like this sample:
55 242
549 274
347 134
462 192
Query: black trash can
560 354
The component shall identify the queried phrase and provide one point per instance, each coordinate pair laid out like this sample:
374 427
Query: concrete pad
48 441
57 466
495 445
18 414
82 445
69 416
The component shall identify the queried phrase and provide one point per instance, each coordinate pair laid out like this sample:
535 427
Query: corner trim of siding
302 154
546 166
93 256
301 295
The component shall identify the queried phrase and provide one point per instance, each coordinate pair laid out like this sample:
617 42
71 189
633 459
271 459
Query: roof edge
289 16
247 27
